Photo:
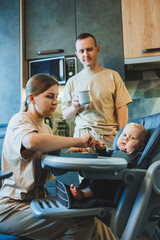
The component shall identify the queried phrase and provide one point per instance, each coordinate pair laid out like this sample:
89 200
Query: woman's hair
38 84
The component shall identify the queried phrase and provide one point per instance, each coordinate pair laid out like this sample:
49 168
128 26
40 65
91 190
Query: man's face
87 52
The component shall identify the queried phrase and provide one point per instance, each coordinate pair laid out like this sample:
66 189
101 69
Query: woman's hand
88 140
77 149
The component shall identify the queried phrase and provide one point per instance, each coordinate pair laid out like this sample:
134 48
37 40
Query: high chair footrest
63 194
50 208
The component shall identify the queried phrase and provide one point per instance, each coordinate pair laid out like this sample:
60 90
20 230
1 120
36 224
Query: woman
27 138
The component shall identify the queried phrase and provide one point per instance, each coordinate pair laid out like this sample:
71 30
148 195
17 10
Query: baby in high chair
130 144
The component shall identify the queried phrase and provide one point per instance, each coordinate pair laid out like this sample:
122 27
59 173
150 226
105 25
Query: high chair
3 175
135 209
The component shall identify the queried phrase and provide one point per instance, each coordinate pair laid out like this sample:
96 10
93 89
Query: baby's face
130 139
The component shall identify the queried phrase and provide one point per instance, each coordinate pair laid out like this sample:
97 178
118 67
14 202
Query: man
108 111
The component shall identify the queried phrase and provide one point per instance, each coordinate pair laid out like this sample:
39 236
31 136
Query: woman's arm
46 143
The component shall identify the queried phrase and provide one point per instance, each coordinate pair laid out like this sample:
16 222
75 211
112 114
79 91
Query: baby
131 141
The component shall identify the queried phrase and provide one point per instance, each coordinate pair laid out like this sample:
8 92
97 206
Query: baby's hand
100 147
127 148
100 144
122 148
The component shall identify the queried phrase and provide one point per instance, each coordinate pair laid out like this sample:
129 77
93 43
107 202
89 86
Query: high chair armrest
153 173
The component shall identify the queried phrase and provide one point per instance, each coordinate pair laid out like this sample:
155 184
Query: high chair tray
87 166
103 163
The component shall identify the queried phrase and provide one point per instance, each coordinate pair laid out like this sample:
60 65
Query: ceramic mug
84 97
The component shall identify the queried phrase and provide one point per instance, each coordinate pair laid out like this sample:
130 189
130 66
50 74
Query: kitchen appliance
60 67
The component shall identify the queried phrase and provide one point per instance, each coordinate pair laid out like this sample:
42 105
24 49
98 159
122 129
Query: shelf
141 60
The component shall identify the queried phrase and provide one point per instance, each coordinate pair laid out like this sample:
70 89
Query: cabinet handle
150 50
50 51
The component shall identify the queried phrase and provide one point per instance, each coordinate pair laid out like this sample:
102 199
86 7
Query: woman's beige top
28 177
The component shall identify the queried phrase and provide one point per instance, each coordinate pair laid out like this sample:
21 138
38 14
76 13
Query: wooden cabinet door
49 25
141 31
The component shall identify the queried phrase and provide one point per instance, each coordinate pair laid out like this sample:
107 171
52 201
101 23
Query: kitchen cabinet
56 24
103 19
141 32
49 25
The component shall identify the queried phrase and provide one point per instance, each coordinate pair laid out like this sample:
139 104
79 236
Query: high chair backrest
152 124
3 128
139 190
151 152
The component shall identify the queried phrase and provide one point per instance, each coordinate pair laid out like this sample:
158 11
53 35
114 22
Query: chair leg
157 231
136 216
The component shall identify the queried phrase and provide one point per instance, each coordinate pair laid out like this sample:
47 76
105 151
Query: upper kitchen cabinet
49 25
103 19
141 31
54 25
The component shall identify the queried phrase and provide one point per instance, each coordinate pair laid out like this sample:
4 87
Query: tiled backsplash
144 89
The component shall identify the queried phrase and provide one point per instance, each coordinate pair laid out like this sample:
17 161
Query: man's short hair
86 35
